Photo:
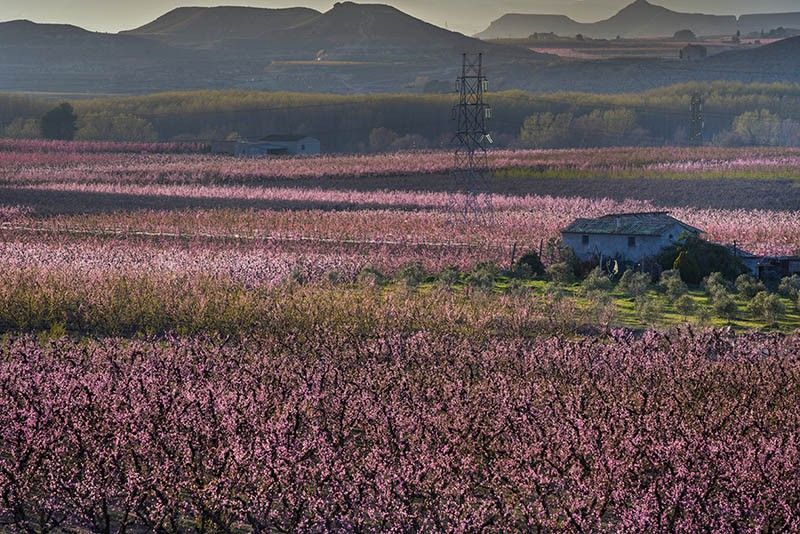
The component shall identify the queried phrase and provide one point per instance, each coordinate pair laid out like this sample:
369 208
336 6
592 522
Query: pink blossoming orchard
195 343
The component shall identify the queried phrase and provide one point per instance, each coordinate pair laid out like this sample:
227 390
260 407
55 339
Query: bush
529 265
634 284
412 275
371 276
685 305
715 284
725 306
557 252
601 309
673 285
449 277
648 310
696 259
596 281
767 307
517 287
562 273
483 276
748 287
790 287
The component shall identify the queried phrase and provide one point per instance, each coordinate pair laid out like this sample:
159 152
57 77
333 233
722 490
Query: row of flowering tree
315 430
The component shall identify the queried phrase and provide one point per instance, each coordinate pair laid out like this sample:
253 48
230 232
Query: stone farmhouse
625 237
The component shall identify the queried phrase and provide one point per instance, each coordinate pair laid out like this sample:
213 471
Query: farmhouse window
585 240
632 242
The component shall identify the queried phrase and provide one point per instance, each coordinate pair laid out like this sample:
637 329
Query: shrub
601 309
704 316
517 287
558 252
673 285
767 307
748 287
596 281
790 287
449 277
483 276
685 305
634 284
715 284
412 275
335 277
648 310
725 306
554 292
697 259
371 276
562 273
530 264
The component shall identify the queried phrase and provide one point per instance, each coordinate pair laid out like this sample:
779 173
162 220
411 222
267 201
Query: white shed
295 145
627 237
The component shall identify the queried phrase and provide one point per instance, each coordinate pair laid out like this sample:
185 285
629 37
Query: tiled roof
283 138
642 224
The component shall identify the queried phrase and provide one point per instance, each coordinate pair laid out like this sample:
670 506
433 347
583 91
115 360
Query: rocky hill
350 48
639 19
204 27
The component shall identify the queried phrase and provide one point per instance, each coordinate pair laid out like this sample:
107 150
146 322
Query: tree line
736 114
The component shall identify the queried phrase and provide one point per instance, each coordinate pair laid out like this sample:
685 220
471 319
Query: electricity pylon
698 123
472 140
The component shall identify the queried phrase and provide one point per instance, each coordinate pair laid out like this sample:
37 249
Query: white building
271 145
294 145
626 237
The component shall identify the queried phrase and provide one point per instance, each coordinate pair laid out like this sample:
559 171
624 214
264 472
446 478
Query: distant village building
627 237
271 145
693 52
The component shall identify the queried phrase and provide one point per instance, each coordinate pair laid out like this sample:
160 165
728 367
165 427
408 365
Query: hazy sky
468 16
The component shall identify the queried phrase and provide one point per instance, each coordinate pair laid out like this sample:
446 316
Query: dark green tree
696 259
60 123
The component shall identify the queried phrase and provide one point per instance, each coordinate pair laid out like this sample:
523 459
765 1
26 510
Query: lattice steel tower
472 140
698 122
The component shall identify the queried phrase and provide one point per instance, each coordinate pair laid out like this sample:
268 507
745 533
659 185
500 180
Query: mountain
348 31
763 63
767 22
349 48
776 62
202 26
639 19
56 57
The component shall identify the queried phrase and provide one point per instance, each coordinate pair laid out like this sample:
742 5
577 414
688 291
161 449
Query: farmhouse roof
277 138
642 224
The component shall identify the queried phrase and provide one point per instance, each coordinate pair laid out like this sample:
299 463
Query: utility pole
698 122
472 141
